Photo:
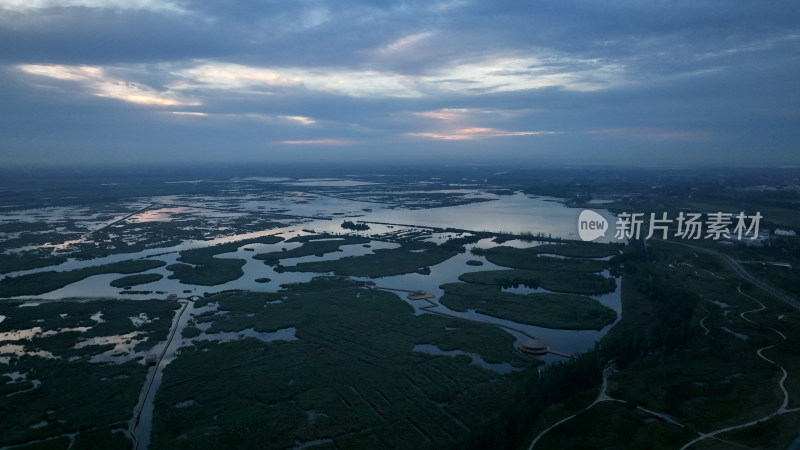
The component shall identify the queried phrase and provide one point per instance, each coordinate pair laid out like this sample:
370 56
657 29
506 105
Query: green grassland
38 238
675 357
612 425
777 214
215 271
312 245
74 395
43 282
778 432
573 249
579 249
560 311
203 254
115 320
112 240
530 259
203 269
552 280
13 262
351 376
162 234
135 280
752 258
411 257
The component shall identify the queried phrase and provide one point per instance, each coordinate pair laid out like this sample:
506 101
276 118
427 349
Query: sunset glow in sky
536 81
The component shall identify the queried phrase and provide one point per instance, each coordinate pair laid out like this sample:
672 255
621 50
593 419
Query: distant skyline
579 82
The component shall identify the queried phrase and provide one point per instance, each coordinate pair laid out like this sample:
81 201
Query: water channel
515 213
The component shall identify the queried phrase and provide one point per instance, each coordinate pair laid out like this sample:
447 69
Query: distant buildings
762 238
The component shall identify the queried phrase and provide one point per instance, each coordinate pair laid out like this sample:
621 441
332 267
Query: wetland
350 311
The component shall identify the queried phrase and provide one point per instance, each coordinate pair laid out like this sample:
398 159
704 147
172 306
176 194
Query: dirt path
744 274
782 409
601 397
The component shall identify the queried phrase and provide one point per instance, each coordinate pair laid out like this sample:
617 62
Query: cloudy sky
664 82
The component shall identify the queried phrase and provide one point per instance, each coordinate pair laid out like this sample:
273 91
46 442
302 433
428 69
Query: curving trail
601 397
761 307
743 273
782 409
702 324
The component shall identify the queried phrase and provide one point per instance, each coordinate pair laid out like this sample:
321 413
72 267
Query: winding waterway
512 213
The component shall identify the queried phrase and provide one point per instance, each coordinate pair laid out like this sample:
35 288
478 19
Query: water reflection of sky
328 182
570 341
123 344
474 357
517 213
283 334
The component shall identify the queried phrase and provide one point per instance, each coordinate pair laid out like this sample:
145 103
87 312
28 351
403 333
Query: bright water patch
122 350
41 424
741 336
343 252
328 182
476 359
722 305
524 290
284 334
16 377
19 350
516 213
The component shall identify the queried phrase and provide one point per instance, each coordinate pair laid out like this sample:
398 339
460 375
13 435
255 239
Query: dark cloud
101 36
212 80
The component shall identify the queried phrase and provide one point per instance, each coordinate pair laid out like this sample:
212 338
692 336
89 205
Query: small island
349 225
